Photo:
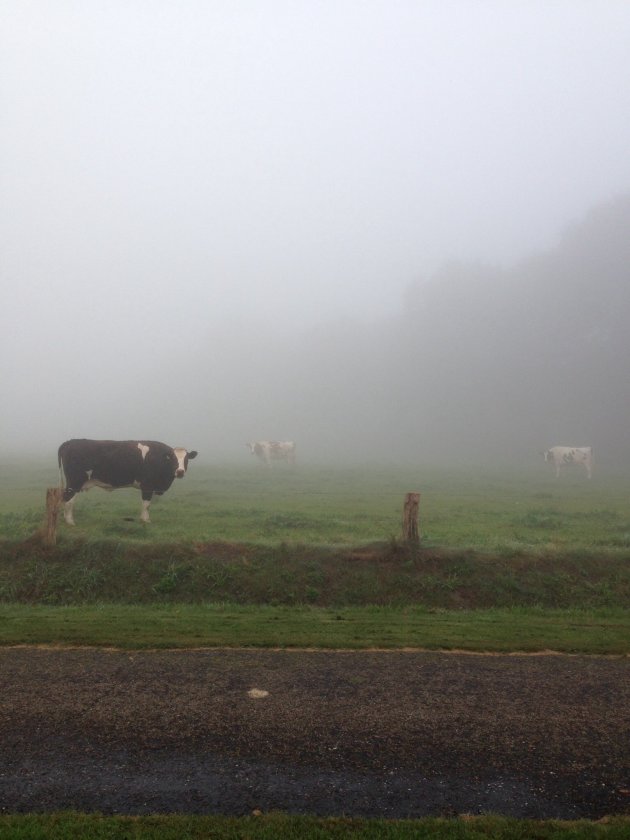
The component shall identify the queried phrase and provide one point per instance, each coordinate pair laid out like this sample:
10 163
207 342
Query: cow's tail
61 470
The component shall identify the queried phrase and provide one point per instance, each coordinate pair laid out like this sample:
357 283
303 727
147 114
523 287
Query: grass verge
65 825
95 571
234 625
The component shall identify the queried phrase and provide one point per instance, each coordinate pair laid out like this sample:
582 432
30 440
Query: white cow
562 456
273 450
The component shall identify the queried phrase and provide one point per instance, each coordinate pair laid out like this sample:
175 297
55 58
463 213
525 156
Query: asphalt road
392 734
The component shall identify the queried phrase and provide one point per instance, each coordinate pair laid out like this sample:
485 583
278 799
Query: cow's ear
192 454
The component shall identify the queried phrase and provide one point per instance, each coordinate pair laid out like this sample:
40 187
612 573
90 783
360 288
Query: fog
389 231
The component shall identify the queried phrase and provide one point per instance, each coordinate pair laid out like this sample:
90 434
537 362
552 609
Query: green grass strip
605 631
277 826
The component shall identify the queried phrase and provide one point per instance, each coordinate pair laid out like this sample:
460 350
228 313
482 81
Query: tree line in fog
481 364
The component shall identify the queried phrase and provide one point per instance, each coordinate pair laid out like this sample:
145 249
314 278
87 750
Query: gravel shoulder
392 734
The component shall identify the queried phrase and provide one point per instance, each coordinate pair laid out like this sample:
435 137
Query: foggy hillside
531 357
481 364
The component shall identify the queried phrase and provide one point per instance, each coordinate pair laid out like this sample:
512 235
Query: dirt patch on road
394 734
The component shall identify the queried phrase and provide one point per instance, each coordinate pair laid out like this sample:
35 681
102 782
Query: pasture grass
355 628
509 511
274 555
67 825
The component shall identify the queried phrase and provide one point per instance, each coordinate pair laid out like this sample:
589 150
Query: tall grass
89 571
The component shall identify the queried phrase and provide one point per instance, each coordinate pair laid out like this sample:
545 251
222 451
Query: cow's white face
183 456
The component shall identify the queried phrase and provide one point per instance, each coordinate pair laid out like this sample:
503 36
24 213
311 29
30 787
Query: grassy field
310 505
512 561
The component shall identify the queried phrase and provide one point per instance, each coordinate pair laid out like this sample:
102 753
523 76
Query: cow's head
183 457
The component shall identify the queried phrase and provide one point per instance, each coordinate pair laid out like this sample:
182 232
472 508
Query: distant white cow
562 456
273 450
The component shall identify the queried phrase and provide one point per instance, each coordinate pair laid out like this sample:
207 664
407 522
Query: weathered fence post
411 532
53 504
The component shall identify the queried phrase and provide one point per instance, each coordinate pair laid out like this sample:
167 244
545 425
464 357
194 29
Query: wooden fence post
411 532
54 496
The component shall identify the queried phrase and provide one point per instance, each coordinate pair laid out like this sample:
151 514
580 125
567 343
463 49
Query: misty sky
167 168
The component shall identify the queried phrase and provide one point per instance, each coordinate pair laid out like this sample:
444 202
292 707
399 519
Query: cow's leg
69 498
147 495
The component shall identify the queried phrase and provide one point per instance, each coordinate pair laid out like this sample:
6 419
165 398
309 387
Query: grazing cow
562 456
273 450
149 466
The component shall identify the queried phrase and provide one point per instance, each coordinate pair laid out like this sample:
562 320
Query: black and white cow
149 466
273 450
563 456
